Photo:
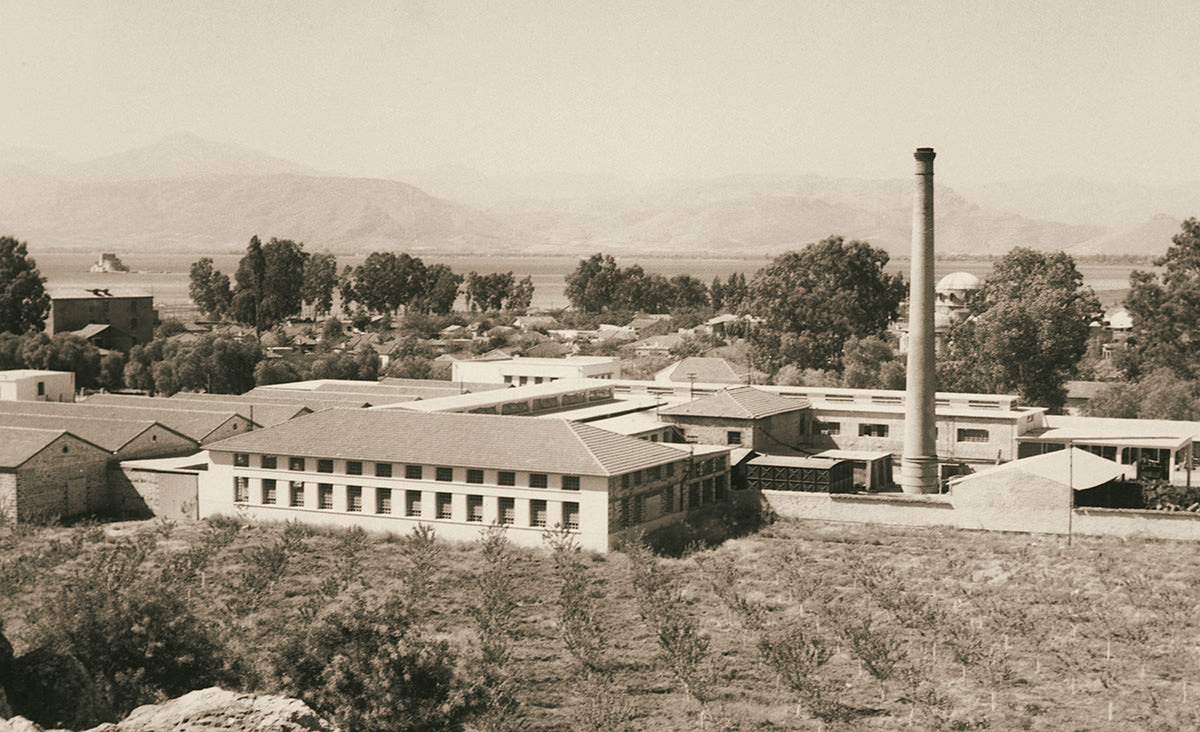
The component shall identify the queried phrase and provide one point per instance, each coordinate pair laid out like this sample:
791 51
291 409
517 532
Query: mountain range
188 194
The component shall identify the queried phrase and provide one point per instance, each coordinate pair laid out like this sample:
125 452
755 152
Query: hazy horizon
641 92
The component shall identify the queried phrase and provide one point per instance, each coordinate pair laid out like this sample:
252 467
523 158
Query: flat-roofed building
37 385
521 371
47 474
390 469
566 396
109 318
1158 449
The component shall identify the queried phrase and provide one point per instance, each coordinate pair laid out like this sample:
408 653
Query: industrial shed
47 474
804 474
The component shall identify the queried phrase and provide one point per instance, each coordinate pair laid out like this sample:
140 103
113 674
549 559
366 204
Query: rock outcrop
211 709
207 710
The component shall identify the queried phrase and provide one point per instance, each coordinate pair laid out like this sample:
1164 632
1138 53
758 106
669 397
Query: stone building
47 474
745 417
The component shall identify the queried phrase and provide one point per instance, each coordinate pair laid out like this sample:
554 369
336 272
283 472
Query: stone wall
67 478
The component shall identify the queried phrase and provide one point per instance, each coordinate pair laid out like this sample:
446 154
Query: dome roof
959 281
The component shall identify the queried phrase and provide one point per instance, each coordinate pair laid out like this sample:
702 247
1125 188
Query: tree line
275 279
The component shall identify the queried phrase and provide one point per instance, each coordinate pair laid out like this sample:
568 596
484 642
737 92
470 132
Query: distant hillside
185 193
219 211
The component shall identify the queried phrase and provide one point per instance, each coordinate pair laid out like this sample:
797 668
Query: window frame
475 509
733 437
506 511
354 492
241 459
383 470
324 465
354 467
570 483
298 464
270 492
324 496
443 474
539 480
383 501
475 476
268 462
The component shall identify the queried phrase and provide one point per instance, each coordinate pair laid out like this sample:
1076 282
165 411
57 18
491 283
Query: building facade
113 320
519 371
37 385
389 470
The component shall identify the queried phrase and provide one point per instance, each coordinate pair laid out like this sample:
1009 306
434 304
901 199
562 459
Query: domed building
951 296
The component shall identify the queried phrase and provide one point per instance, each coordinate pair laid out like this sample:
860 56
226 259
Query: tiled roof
743 402
110 434
265 414
294 398
476 440
196 425
18 444
707 371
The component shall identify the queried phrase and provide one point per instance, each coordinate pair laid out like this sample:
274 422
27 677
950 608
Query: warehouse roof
110 434
196 425
743 402
478 440
19 444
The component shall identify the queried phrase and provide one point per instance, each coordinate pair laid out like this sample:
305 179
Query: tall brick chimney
918 463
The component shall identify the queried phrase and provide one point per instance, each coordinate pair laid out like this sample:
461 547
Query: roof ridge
573 428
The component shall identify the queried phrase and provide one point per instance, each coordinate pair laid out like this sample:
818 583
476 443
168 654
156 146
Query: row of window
633 510
443 503
411 472
881 430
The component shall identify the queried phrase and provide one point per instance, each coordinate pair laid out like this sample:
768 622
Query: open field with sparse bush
801 626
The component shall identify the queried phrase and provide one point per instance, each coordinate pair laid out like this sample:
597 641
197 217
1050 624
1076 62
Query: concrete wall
141 492
531 369
1028 506
1002 435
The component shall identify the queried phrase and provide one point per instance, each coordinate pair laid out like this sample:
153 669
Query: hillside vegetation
801 626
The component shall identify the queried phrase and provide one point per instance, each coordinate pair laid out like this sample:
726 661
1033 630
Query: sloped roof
707 370
477 440
91 330
1078 468
670 340
193 424
19 444
110 434
743 402
264 413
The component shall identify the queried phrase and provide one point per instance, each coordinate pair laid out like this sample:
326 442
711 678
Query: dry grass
1068 630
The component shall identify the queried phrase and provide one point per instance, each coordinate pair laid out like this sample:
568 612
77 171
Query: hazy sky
645 89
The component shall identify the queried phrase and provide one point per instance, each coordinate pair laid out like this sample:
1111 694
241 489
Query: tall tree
24 303
320 279
249 279
816 298
209 288
1028 330
1165 309
688 293
441 289
284 271
592 287
520 296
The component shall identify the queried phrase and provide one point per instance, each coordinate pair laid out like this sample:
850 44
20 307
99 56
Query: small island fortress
109 262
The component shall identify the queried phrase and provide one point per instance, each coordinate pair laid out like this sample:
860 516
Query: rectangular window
268 492
241 489
538 480
241 460
654 473
445 474
475 509
639 510
829 428
571 516
324 465
670 469
296 494
570 482
325 496
537 513
733 438
444 508
505 477
354 498
296 463
474 475
872 430
413 472
668 499
412 503
383 470
383 500
637 478
267 461
353 467
508 511
969 435
625 480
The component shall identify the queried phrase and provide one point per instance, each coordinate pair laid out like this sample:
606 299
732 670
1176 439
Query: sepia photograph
599 366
